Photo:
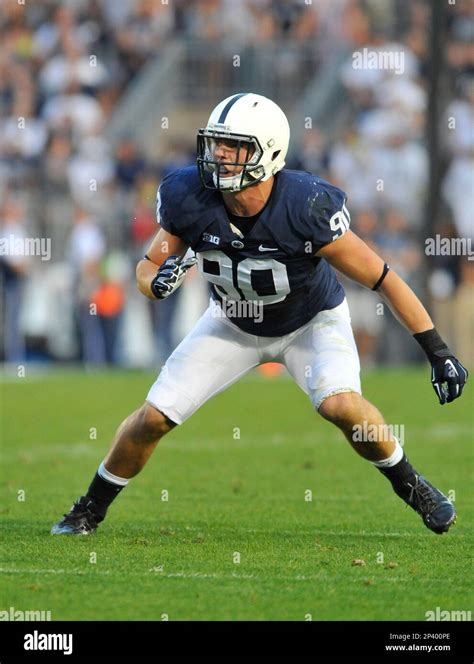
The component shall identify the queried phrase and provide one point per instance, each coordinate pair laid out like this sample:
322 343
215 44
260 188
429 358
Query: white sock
113 479
393 459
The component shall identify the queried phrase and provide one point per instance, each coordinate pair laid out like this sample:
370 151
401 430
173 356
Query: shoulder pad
321 212
182 202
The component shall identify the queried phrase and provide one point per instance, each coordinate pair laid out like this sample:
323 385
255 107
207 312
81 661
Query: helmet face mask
244 142
229 175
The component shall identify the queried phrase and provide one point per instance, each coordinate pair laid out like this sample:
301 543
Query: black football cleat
435 509
80 520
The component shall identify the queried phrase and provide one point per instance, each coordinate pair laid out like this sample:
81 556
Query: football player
266 238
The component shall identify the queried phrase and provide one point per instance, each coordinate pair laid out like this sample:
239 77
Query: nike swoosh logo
262 248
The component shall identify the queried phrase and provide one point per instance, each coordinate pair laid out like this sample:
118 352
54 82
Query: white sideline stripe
78 448
298 533
200 575
12 570
204 575
319 533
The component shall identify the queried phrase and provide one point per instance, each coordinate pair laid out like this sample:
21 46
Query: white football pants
321 357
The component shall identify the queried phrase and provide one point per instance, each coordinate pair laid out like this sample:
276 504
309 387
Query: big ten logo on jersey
214 239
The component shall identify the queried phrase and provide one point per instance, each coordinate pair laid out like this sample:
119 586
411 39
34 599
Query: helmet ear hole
275 154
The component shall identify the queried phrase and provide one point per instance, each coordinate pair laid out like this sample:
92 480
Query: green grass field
230 495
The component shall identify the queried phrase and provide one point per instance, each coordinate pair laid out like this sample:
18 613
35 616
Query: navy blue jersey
268 281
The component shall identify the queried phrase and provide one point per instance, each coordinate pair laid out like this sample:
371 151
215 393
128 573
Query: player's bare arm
354 258
163 268
164 246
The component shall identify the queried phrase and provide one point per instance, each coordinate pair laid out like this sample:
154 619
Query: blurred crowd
65 65
381 160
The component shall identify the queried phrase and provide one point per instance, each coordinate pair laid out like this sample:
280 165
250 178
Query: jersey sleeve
176 206
329 217
162 213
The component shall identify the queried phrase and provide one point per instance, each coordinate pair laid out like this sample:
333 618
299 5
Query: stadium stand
99 99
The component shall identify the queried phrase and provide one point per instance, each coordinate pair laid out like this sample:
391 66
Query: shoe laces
422 496
79 510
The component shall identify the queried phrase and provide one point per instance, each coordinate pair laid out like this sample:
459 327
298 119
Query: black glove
448 376
170 276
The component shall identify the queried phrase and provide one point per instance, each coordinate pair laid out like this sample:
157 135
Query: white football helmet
261 132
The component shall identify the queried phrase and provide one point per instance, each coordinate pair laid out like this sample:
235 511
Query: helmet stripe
228 106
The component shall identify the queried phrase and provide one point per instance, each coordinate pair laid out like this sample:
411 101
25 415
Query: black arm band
386 268
432 344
